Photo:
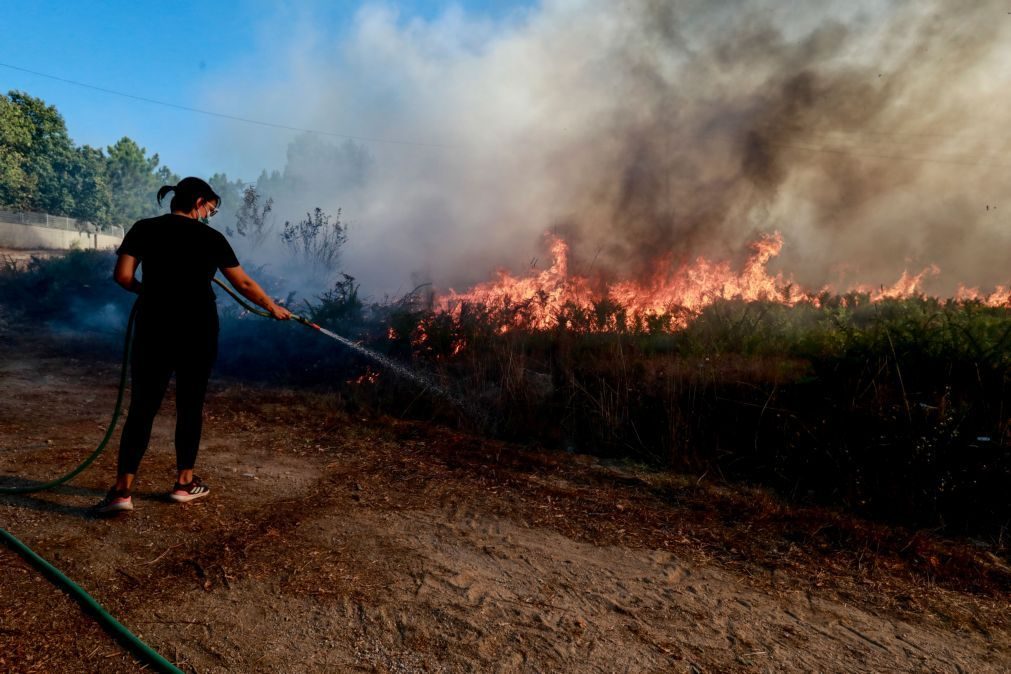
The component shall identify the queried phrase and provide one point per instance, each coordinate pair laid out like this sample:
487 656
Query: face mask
209 212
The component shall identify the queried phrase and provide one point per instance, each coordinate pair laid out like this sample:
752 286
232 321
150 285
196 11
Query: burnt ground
337 543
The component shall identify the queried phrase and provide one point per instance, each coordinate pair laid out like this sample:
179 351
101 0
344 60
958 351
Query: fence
26 231
59 222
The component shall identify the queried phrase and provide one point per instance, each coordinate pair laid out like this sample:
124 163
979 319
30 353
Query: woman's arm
252 291
123 274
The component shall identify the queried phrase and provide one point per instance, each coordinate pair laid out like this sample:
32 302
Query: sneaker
187 492
115 501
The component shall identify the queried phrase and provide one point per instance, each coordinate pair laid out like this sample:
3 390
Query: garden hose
259 312
124 368
142 651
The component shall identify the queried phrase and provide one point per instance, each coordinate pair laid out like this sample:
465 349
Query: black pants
165 343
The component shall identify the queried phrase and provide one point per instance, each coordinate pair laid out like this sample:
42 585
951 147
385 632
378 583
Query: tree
230 192
16 185
87 182
251 218
134 179
47 157
314 167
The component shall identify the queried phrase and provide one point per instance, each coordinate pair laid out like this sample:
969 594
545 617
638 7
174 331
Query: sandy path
565 605
335 545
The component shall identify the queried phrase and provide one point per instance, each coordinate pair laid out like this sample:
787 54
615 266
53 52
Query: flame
696 285
543 295
907 286
541 301
537 301
1000 297
370 376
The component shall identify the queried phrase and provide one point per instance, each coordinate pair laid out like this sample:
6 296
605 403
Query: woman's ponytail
165 189
187 192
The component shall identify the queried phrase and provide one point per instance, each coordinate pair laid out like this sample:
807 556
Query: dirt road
334 543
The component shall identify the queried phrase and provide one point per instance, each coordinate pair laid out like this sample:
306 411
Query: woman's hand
278 312
249 289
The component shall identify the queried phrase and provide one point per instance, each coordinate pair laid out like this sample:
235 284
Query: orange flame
907 285
1000 297
546 293
698 284
370 376
540 301
691 286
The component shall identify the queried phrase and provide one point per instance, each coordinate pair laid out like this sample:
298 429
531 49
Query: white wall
17 235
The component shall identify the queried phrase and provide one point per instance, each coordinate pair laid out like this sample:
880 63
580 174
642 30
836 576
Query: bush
73 290
316 242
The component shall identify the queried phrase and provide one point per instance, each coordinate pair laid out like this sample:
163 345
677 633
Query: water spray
398 369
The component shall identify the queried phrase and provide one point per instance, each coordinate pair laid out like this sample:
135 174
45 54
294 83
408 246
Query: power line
221 115
372 139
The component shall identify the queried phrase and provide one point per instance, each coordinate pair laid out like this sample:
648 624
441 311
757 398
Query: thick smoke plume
869 133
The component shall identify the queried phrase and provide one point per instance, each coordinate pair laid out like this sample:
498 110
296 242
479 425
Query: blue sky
172 52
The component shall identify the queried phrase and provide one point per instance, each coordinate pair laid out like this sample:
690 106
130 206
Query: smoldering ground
868 133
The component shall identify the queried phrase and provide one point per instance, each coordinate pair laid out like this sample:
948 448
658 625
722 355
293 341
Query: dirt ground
333 543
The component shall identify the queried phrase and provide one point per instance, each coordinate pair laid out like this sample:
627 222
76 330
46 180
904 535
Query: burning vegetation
668 299
890 403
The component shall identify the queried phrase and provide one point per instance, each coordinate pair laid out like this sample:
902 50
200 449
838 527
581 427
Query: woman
176 329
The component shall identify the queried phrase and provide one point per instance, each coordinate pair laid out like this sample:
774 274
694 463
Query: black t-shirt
178 257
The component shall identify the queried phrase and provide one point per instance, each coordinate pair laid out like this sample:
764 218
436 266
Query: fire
1000 297
694 286
542 300
907 285
370 376
537 301
544 294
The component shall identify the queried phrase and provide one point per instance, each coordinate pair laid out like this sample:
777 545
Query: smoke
868 133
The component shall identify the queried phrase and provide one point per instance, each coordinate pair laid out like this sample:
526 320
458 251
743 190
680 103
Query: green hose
253 310
238 300
124 368
127 638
